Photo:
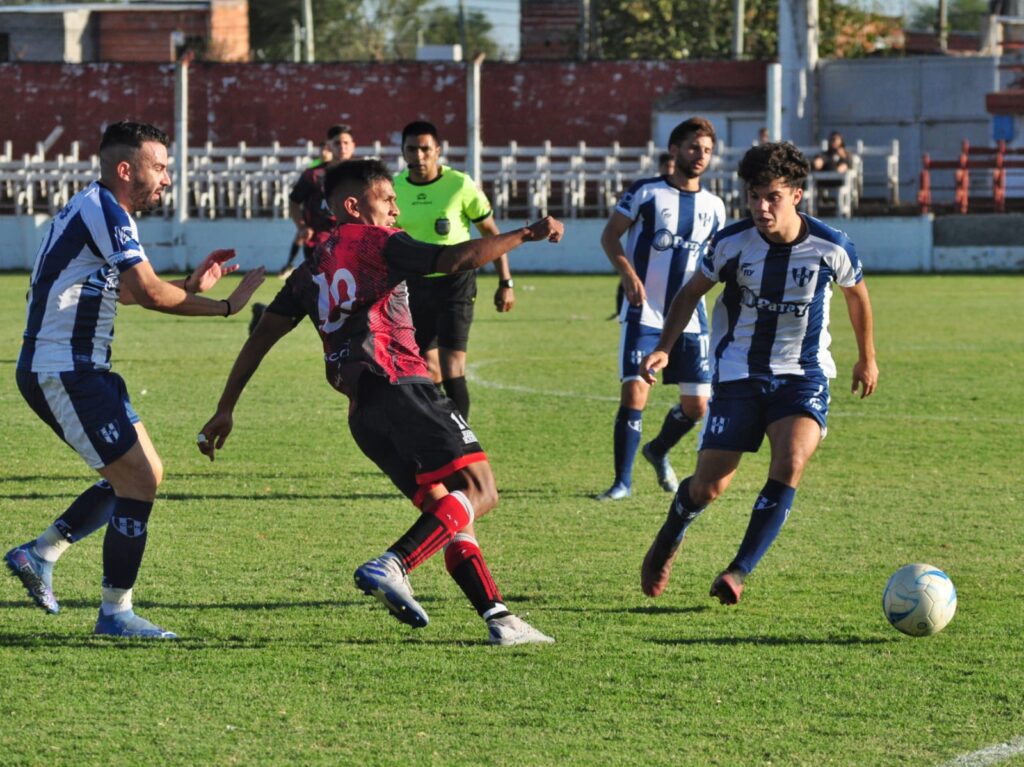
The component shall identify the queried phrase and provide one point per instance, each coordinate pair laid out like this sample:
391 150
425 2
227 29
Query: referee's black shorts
442 310
412 432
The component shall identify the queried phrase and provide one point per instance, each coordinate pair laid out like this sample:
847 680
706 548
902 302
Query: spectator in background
306 202
763 137
836 158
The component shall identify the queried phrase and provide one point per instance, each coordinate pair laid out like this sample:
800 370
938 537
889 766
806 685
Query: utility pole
585 24
307 25
462 28
180 160
943 26
739 13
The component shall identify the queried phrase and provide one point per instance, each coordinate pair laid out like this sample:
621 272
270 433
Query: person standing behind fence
306 205
437 205
669 220
90 260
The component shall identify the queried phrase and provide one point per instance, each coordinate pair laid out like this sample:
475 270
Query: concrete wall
883 244
49 36
930 104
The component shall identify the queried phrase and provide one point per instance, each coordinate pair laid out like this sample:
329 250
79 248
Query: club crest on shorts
718 424
109 433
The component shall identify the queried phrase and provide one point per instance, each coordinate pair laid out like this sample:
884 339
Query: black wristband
184 285
509 283
227 307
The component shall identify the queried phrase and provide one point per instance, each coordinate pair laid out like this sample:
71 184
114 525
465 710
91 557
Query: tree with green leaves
363 30
961 15
702 29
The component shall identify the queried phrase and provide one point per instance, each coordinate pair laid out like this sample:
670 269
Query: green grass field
282 661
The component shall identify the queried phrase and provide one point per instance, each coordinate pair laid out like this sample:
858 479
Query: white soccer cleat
386 579
511 630
616 492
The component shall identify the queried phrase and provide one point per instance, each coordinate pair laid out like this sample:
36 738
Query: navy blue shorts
687 361
89 410
739 411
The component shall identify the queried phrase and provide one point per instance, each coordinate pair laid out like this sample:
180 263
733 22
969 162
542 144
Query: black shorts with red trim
412 432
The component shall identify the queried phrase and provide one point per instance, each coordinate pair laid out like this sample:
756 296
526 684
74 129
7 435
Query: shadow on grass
212 643
774 641
276 495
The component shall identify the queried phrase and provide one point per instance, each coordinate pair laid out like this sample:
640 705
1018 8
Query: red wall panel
529 102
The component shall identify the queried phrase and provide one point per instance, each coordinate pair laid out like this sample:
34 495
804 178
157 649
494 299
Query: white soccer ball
919 600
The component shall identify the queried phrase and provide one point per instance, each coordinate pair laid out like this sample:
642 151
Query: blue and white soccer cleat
511 630
616 492
130 626
35 574
386 579
666 475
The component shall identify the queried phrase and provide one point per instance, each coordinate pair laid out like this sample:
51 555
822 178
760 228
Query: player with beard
670 220
90 260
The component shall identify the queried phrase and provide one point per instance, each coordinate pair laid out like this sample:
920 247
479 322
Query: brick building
218 30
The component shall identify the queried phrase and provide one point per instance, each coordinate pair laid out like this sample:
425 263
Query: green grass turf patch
282 661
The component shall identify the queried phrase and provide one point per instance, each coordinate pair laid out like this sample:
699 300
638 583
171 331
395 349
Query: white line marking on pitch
473 375
991 755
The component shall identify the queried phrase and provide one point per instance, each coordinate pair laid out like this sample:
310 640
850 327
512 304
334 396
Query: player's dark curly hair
764 163
354 176
131 134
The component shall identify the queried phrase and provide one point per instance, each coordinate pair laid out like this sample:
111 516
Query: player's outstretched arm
144 287
504 297
209 271
473 254
865 369
271 329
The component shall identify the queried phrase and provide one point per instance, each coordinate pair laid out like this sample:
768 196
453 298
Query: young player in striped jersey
669 220
91 259
772 360
355 294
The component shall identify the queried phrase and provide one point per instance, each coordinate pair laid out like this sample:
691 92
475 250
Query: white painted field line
473 375
990 755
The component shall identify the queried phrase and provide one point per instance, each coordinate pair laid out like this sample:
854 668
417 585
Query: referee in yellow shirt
437 204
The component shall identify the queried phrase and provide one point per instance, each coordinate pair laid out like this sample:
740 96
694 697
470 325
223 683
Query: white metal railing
575 181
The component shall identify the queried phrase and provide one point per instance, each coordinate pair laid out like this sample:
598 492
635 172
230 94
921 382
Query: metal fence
579 181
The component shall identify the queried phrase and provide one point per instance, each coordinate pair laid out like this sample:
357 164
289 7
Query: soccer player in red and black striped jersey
354 292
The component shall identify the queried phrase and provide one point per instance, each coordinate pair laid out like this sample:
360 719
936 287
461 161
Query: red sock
433 530
467 567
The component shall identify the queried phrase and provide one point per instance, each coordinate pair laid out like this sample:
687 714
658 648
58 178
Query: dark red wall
529 102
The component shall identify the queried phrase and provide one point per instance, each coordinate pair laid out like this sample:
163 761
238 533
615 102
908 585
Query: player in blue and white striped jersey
772 360
90 251
669 221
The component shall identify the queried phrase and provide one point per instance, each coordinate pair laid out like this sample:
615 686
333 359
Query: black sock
458 393
88 513
125 542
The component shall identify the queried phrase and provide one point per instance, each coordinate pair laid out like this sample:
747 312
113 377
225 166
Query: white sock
51 544
115 600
